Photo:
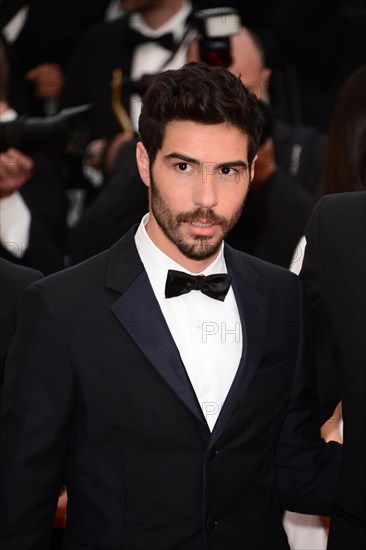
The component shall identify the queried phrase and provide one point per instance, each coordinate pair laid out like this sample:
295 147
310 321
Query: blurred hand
331 431
60 518
48 79
112 150
94 153
101 154
15 170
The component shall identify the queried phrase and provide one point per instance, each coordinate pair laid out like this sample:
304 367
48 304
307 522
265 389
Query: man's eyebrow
229 164
232 164
179 156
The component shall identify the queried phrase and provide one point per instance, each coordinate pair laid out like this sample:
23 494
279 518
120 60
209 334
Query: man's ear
143 163
252 168
266 77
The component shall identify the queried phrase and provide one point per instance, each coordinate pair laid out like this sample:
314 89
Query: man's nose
205 192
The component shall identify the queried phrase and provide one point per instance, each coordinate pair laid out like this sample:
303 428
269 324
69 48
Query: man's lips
202 223
202 227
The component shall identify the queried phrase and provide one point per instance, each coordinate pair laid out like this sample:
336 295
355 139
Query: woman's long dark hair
346 159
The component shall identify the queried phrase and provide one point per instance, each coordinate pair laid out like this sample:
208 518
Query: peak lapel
139 312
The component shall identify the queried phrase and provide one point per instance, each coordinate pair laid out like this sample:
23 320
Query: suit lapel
139 312
253 310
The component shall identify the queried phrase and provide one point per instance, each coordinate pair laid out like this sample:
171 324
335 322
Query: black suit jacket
102 50
334 277
13 280
95 386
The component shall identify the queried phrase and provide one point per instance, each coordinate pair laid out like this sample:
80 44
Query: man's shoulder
91 275
256 267
78 279
336 231
340 213
15 277
343 202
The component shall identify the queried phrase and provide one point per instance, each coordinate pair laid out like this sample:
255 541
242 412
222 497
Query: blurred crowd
72 189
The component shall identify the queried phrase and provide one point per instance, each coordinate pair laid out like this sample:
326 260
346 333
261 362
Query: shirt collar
157 263
8 116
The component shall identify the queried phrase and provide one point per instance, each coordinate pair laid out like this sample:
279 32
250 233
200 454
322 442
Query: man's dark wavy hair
200 93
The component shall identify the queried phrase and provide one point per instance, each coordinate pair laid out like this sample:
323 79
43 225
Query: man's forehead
176 128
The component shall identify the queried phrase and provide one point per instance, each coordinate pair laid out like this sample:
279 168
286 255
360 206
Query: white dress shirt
298 256
14 214
12 29
207 332
149 58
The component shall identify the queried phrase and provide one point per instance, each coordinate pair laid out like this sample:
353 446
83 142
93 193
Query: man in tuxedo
164 378
334 275
133 45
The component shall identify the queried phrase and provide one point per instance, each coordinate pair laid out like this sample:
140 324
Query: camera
215 25
66 129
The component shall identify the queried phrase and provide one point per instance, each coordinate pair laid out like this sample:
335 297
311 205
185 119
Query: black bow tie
135 38
214 286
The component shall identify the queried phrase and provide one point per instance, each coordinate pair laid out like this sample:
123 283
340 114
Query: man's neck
156 17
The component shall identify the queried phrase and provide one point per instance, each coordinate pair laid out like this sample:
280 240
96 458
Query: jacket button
212 453
211 523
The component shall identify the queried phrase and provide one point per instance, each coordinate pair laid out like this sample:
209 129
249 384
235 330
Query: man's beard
169 222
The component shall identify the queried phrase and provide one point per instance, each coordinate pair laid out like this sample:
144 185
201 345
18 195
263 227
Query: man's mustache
201 214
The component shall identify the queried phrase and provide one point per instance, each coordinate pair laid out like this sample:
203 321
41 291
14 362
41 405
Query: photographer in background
42 37
32 199
116 60
277 208
300 150
107 69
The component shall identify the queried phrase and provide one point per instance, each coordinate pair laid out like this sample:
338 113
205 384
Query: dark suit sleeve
13 280
35 424
324 338
307 467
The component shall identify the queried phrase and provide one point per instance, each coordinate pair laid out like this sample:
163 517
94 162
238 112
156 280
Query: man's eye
182 166
228 171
